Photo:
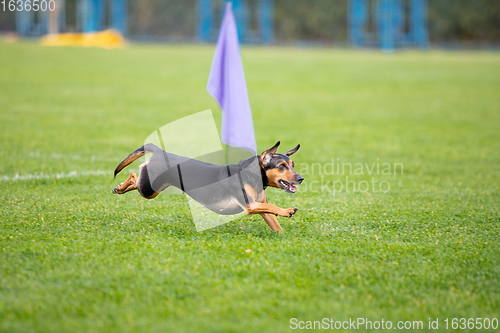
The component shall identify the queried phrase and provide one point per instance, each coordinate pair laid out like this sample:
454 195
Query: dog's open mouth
290 188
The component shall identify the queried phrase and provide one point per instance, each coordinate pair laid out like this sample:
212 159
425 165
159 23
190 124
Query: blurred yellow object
107 39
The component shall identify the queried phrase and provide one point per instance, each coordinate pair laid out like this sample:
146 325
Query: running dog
225 190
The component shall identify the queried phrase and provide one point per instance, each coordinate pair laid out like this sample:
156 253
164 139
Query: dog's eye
282 167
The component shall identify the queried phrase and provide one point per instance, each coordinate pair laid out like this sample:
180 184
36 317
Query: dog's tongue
293 187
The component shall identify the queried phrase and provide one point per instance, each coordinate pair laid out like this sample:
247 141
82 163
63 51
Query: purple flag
226 83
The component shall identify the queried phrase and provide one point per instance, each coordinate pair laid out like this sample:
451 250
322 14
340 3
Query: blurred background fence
325 21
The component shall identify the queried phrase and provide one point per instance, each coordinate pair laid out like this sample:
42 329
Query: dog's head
279 169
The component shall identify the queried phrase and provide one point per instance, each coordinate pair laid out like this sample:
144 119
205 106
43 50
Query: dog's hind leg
144 186
129 185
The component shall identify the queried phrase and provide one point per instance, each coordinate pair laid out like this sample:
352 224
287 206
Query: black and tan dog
225 190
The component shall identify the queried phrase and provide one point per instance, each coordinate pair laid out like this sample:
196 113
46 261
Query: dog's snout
300 179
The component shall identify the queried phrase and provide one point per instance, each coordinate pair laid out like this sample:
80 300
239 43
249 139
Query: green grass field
75 258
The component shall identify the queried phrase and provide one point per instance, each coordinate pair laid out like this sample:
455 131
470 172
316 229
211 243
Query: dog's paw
118 190
289 212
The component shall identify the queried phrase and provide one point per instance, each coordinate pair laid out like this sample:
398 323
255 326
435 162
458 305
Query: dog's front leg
271 219
272 222
258 208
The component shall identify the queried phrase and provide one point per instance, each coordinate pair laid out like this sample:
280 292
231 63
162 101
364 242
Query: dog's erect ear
293 151
273 149
265 157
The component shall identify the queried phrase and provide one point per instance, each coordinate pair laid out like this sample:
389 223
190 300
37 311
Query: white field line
74 157
71 174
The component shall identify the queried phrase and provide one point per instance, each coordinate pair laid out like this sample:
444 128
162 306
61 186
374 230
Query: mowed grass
75 258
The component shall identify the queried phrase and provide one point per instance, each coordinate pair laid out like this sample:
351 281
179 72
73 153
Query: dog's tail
147 148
